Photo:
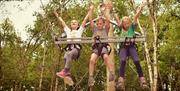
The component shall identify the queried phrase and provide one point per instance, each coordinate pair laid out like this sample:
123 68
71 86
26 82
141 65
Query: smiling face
100 23
74 24
126 22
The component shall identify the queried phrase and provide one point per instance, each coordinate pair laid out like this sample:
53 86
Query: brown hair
101 19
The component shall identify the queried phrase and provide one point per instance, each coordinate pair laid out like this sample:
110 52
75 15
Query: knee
68 57
106 57
123 61
92 61
68 54
136 59
136 62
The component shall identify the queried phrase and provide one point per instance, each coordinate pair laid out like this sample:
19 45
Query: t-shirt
130 33
74 33
101 33
122 33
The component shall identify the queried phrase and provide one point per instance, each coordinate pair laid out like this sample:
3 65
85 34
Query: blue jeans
126 51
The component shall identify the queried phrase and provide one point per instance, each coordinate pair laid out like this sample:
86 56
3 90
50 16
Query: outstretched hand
144 3
91 7
109 5
102 7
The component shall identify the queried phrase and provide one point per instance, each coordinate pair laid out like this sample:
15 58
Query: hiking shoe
143 83
91 81
62 73
68 80
120 83
111 76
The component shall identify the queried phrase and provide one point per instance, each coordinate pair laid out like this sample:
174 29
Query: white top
74 33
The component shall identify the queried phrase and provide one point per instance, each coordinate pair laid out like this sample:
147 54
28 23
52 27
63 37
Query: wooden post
110 85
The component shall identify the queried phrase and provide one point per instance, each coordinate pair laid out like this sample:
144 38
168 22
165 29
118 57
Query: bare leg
108 62
110 67
92 64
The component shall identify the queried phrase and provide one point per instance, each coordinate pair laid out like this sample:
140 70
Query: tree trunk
1 74
155 56
52 81
16 86
55 66
54 78
110 85
42 68
149 66
20 86
56 84
147 55
153 17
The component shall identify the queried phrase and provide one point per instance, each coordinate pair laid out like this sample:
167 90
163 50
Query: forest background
31 63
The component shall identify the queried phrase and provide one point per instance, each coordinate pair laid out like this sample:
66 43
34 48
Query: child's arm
108 7
60 20
90 16
117 19
87 16
138 12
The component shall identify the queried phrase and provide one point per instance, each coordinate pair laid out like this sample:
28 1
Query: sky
21 13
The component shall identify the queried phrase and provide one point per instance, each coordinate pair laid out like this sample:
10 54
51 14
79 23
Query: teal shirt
130 33
121 33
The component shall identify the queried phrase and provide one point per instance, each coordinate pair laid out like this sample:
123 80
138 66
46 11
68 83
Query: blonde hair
126 18
77 22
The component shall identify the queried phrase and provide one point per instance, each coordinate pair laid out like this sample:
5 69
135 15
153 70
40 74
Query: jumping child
72 50
127 29
99 30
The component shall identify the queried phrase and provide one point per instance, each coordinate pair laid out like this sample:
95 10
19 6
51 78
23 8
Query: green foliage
21 61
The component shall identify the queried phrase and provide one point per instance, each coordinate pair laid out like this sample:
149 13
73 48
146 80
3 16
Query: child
99 49
127 29
72 50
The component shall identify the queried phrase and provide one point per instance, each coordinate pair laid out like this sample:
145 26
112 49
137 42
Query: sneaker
68 80
111 77
91 81
120 84
62 73
143 83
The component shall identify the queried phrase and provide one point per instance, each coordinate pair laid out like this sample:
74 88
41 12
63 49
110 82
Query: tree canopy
21 62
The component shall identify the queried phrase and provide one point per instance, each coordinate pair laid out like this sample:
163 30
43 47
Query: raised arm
60 20
138 12
91 9
85 19
108 8
117 19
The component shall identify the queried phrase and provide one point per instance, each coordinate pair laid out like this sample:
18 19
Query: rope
86 73
83 77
